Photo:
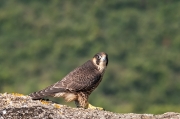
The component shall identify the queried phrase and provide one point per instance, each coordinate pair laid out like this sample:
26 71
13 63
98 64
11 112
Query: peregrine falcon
79 83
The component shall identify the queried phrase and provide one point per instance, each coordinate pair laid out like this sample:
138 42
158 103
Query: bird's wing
81 79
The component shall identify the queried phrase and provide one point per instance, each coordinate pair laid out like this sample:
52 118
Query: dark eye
98 57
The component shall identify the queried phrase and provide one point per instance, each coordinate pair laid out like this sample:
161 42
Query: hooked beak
103 58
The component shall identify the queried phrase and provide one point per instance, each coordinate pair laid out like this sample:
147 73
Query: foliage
41 41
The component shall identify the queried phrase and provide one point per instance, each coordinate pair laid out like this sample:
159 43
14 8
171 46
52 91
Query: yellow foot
89 106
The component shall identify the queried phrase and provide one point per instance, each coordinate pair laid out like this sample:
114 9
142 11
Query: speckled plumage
79 83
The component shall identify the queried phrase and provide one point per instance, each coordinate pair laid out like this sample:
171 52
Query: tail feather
49 91
38 95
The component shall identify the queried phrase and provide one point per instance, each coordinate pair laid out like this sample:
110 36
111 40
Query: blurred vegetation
41 41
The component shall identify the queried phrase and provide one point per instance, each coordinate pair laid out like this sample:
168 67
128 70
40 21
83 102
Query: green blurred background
43 40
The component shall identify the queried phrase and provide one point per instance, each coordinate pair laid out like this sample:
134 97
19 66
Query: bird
79 83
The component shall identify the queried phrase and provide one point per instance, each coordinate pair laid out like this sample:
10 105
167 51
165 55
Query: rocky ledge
17 106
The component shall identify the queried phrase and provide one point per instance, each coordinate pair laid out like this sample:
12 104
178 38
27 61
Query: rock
17 106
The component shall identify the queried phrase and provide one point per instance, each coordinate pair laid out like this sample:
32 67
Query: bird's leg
82 102
86 105
78 104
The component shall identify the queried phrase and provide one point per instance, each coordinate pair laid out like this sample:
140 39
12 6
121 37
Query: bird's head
100 60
